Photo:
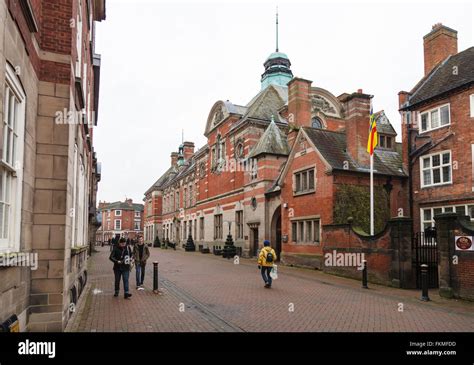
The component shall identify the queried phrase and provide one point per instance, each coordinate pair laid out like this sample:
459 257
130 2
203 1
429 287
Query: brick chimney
357 106
174 158
188 150
299 106
129 201
438 44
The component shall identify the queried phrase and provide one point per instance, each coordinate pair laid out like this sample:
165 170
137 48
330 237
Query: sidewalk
219 296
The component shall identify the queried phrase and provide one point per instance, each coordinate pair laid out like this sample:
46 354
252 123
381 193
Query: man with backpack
266 258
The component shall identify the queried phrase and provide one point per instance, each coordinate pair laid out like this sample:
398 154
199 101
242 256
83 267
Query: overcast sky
164 65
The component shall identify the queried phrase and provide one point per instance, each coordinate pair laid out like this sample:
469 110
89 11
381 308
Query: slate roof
333 148
122 206
265 104
164 179
383 124
442 79
272 142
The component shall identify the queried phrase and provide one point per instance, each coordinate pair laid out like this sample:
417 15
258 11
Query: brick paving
218 295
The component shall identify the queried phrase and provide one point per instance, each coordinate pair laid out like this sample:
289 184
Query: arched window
316 123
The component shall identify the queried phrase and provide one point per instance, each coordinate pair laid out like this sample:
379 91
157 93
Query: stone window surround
305 220
300 170
12 244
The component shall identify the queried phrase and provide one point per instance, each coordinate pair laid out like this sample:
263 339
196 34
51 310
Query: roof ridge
323 130
429 77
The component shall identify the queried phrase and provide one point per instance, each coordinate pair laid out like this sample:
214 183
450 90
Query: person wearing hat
266 258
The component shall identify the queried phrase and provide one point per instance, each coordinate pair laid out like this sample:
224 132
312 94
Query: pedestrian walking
141 253
266 258
122 258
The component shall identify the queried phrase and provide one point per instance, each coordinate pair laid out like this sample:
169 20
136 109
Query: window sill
77 250
436 186
435 129
304 192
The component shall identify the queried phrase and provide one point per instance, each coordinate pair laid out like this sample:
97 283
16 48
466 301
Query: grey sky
165 64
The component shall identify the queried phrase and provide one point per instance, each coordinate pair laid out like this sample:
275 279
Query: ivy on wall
354 201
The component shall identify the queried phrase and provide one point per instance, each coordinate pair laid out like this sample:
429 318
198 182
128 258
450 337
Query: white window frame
441 165
79 40
115 224
13 172
118 213
443 210
135 225
137 214
428 112
471 102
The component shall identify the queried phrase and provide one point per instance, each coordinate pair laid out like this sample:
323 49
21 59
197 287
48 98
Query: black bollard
424 283
155 276
364 275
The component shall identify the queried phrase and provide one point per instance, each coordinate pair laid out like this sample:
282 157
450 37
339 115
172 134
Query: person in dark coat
141 253
122 258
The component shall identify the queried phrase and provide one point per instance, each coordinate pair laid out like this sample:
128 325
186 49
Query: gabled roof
442 79
333 148
122 206
164 179
267 103
383 124
272 142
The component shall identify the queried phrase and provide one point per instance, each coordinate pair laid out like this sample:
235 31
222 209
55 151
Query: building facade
438 132
120 219
272 168
49 78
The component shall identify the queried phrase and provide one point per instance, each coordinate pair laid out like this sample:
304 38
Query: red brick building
438 131
120 219
272 168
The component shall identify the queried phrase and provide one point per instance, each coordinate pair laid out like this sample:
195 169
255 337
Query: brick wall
455 267
458 138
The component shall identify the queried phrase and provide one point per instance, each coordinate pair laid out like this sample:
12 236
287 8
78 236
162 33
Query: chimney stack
299 102
438 44
299 106
174 158
188 150
357 106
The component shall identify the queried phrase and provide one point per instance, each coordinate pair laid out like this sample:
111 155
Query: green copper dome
277 70
277 55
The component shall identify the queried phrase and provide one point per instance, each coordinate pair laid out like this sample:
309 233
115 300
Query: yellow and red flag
373 137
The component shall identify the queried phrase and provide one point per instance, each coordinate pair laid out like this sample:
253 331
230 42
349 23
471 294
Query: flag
373 137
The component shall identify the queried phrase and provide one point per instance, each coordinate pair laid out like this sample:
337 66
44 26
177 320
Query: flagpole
371 194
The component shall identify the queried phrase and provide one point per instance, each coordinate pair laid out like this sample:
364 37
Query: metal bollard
155 276
364 275
424 283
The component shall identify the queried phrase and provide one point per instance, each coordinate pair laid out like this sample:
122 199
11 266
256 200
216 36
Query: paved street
208 293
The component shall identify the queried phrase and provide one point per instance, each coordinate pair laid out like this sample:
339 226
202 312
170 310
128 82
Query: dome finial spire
277 29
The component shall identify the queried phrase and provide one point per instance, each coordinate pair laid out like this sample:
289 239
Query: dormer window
385 141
